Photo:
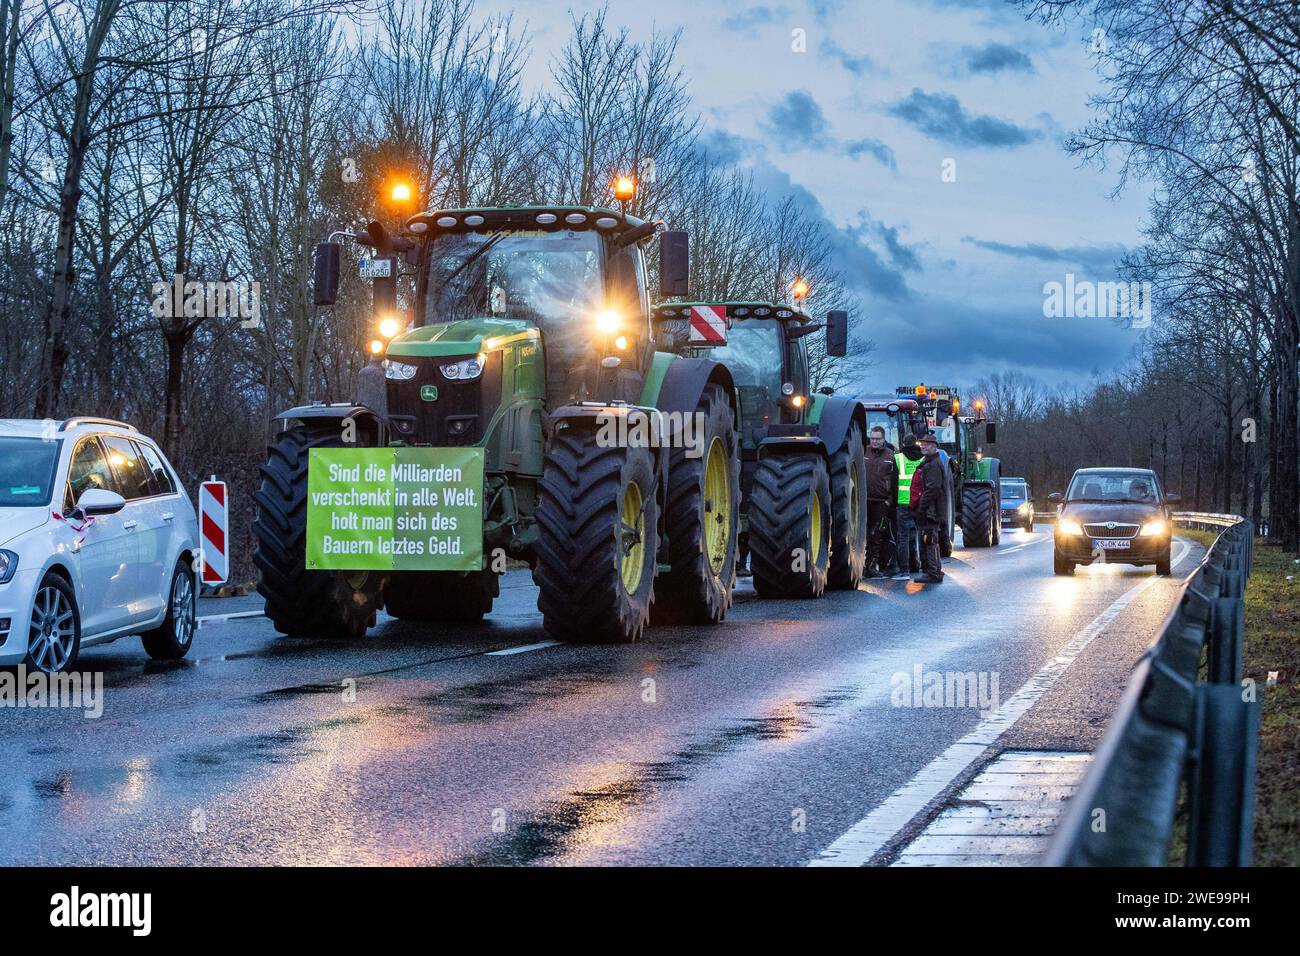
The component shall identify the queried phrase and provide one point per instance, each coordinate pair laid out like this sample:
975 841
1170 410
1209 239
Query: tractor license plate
1106 544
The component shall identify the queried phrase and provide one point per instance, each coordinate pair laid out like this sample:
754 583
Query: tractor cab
522 309
762 344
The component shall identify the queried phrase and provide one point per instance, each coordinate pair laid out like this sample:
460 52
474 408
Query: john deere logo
428 393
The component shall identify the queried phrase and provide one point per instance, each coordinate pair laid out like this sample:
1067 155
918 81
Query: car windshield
1013 492
886 421
544 277
1113 486
27 471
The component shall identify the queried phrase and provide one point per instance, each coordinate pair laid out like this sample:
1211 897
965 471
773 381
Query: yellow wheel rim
631 538
815 528
717 505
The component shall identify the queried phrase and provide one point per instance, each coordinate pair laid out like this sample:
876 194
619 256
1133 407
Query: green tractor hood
467 337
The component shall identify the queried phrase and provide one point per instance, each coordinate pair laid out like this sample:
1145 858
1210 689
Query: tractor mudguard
309 414
836 416
676 384
791 445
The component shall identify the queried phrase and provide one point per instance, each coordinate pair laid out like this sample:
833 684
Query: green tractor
976 478
803 471
530 338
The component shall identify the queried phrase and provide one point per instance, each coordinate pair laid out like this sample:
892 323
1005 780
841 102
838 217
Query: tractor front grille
458 415
1099 530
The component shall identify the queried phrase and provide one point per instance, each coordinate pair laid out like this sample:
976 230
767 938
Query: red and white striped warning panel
214 527
709 324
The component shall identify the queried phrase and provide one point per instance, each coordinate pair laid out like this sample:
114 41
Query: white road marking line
215 618
1021 546
866 837
522 648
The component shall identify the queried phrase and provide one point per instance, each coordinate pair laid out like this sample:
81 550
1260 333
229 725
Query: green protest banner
395 509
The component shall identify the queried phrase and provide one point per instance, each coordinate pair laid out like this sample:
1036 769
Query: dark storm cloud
857 65
799 116
941 116
874 148
866 271
1097 259
996 58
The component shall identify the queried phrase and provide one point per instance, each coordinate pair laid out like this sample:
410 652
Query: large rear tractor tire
849 522
978 516
597 549
948 526
702 515
790 526
300 602
450 597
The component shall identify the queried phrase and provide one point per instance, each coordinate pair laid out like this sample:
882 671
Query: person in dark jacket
929 504
882 498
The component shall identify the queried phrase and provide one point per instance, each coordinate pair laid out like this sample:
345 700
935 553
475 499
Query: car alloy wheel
53 631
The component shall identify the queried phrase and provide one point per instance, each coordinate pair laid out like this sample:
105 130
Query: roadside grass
1272 644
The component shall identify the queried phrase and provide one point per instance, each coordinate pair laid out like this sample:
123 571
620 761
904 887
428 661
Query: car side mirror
1173 499
674 263
326 282
1055 496
100 501
837 333
990 434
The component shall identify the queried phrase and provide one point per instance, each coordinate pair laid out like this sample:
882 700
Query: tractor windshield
886 421
753 353
544 277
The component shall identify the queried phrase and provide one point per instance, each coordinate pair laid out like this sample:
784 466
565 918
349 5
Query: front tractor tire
598 539
849 521
790 526
701 518
441 597
300 602
979 516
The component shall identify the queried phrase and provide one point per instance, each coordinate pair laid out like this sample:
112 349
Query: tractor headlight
1154 526
1068 526
608 321
399 370
8 565
465 370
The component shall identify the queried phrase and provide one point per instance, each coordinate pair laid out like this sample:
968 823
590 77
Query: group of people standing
907 493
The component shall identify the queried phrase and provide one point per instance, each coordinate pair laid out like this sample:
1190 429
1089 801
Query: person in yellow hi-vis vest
906 538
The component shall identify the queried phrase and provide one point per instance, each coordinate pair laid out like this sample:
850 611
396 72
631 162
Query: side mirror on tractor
674 264
837 333
990 434
326 282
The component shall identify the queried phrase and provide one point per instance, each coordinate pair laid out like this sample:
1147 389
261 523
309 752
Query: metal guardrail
1173 728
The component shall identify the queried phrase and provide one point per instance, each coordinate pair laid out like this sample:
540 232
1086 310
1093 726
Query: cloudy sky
860 126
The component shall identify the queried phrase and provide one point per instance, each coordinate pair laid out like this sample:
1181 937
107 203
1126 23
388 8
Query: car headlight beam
1154 527
1069 526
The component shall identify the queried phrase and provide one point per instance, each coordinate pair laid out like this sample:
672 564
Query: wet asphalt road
757 742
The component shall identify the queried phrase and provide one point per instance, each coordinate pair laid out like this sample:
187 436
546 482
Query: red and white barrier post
214 528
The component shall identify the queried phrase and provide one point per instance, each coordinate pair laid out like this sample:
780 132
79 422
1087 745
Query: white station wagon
98 540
